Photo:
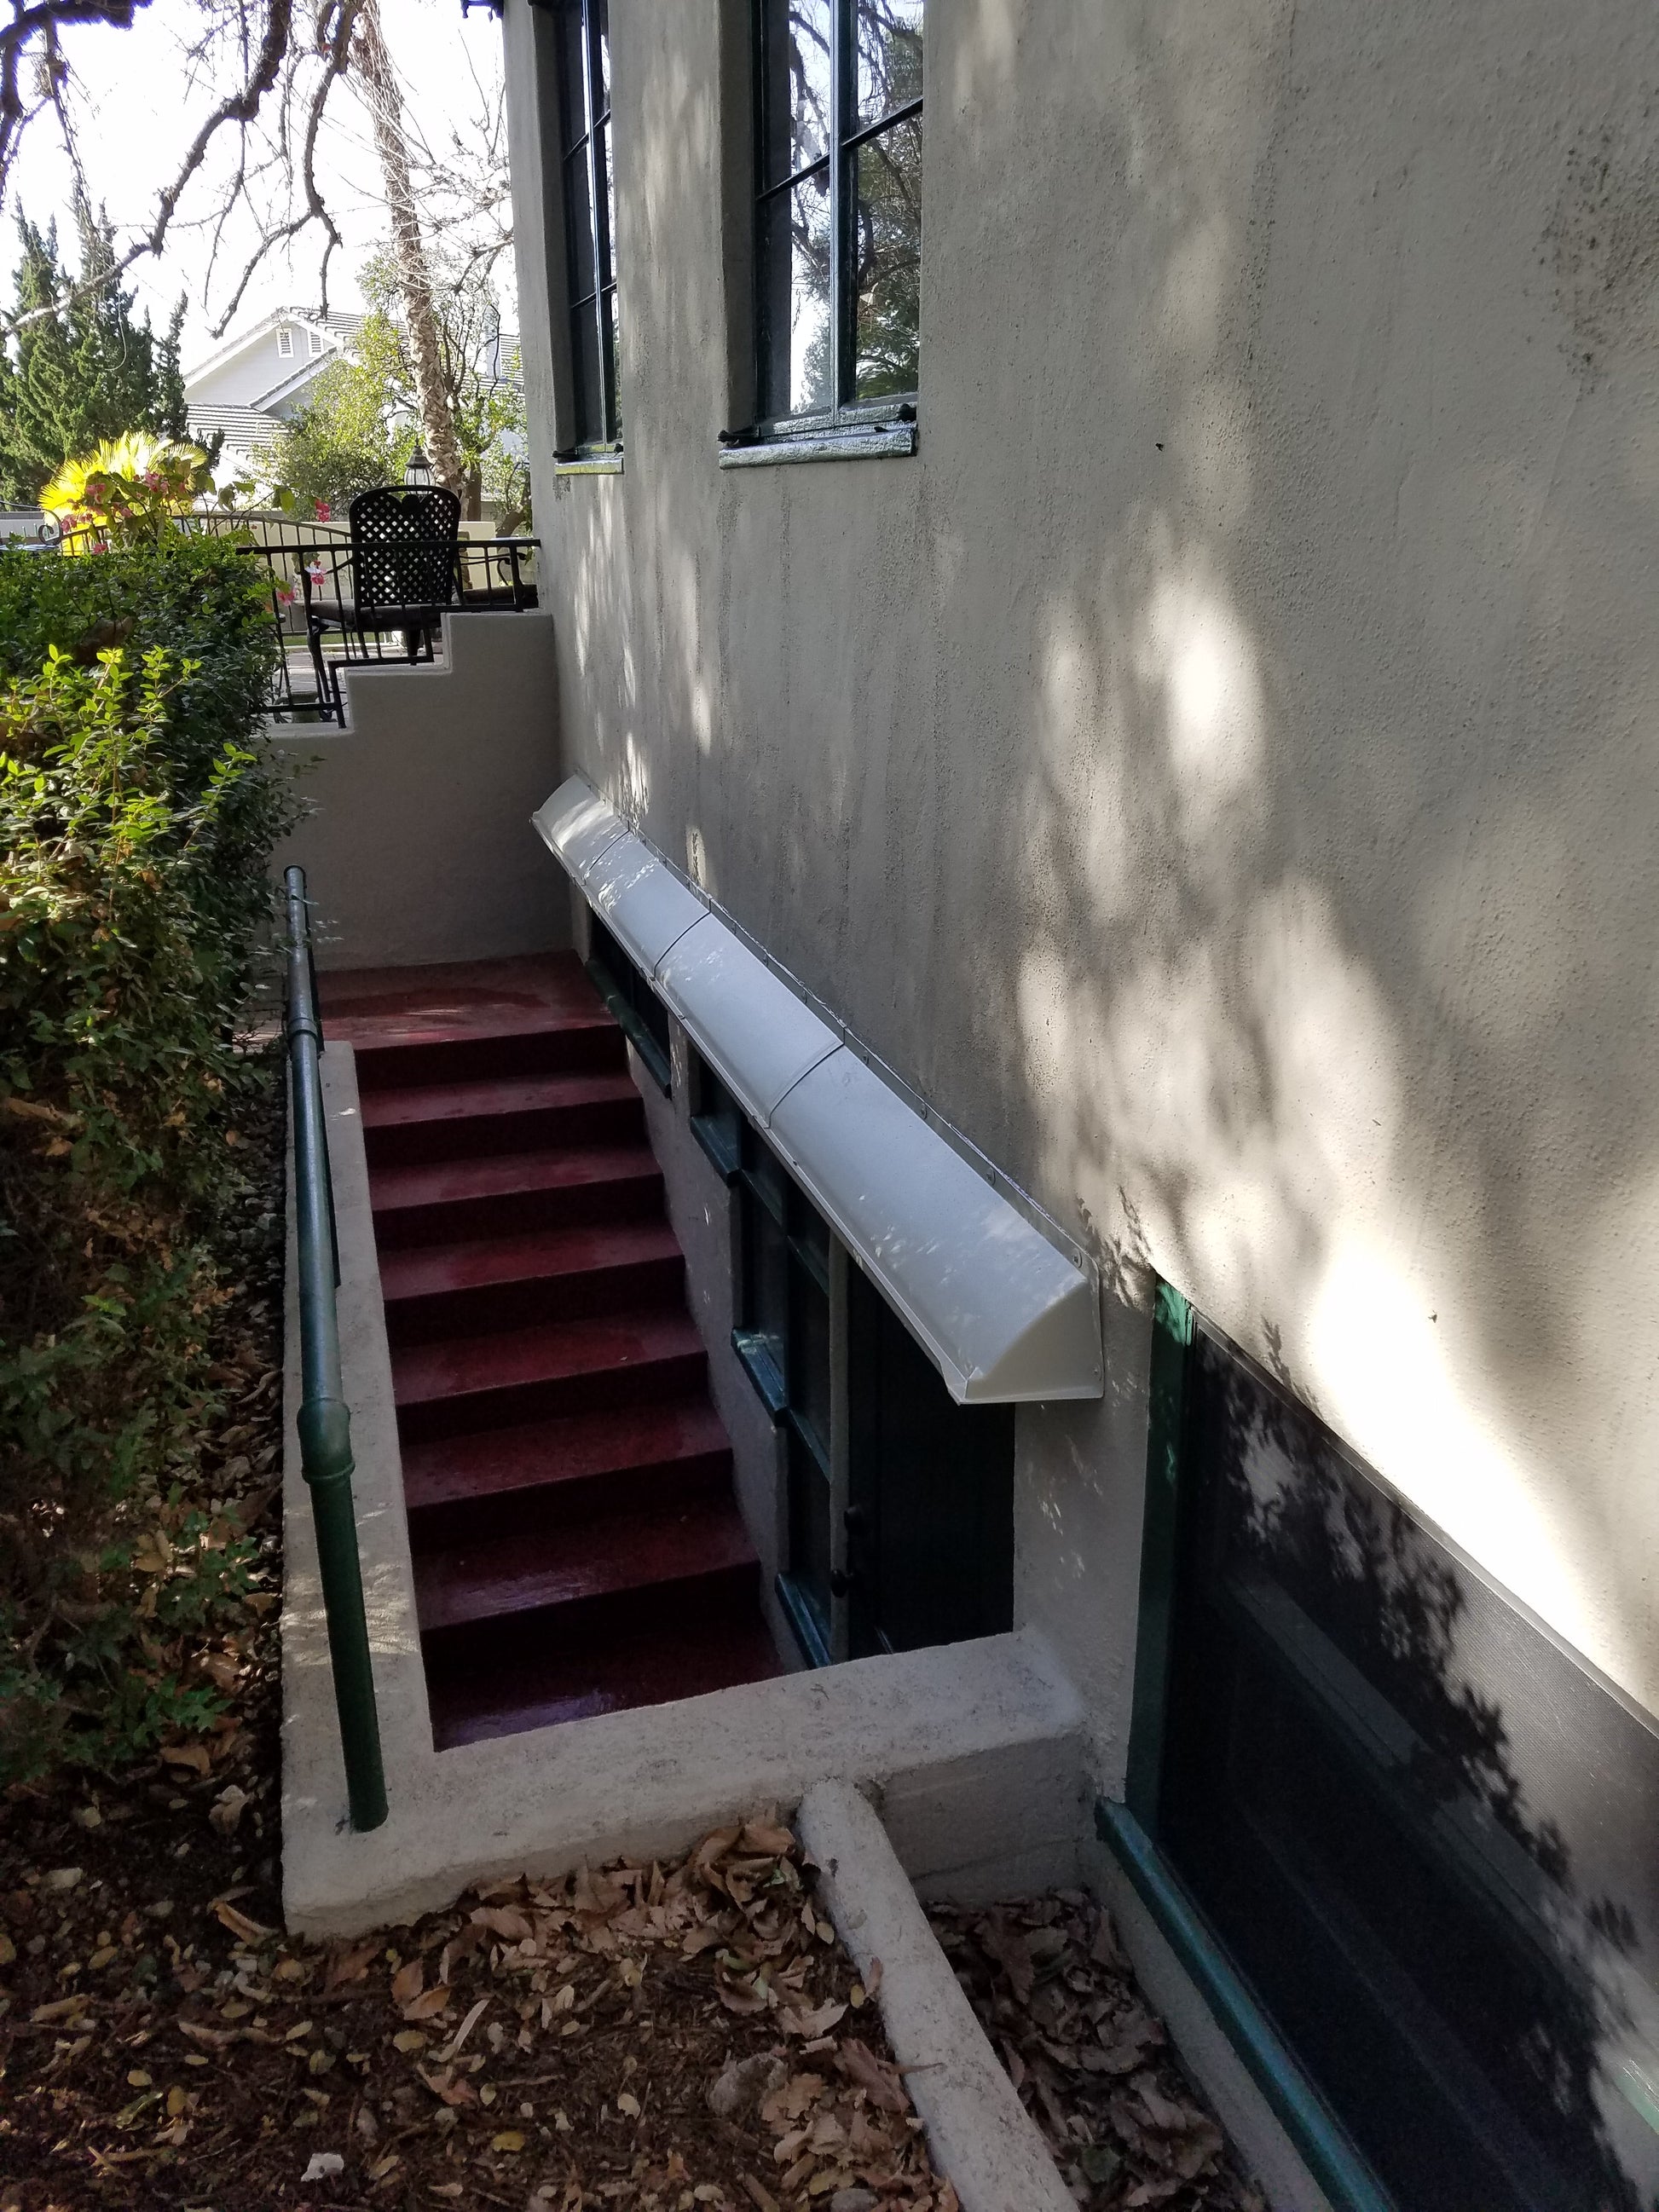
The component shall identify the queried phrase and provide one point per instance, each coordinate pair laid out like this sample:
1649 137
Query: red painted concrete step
546 1274
549 1473
649 1667
576 1044
575 1543
427 1122
441 1200
624 1564
460 1383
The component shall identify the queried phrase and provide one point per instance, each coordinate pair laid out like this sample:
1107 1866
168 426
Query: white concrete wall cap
1007 1317
645 905
979 2134
578 827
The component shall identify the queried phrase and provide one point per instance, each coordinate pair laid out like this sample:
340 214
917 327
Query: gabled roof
337 331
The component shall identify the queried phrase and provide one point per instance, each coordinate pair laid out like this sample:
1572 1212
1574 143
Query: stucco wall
1219 770
416 844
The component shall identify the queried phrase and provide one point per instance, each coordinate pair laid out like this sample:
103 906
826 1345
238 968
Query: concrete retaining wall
418 845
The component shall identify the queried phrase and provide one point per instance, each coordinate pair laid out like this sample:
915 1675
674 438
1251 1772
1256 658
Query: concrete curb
979 2134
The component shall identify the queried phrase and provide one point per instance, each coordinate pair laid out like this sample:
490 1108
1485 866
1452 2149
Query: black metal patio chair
397 574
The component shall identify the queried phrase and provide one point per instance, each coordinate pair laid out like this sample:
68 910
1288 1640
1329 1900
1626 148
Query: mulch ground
1055 1994
677 2036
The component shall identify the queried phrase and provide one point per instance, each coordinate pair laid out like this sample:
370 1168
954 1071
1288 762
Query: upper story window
313 344
285 344
589 219
837 208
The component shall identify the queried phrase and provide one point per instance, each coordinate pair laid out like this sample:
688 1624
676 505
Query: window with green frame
783 1340
838 88
1405 1834
630 996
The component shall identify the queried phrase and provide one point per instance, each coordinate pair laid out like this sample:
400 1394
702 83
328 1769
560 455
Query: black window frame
717 1120
595 417
846 410
636 1007
1258 1725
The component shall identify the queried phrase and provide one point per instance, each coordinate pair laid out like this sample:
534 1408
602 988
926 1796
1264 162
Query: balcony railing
309 568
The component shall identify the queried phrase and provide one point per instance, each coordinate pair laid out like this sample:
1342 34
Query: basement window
716 1119
641 1013
1418 1825
837 223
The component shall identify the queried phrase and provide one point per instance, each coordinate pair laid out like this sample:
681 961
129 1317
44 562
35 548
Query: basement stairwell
576 1545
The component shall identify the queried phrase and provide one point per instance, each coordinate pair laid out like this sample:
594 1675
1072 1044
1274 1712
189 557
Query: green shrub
137 812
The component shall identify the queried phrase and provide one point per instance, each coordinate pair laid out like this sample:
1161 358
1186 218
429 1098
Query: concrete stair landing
576 1546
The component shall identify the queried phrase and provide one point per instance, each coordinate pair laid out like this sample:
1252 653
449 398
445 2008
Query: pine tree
84 372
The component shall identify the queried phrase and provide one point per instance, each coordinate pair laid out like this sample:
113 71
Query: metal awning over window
1006 1316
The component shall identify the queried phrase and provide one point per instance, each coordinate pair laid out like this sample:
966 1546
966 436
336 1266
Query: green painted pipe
324 1424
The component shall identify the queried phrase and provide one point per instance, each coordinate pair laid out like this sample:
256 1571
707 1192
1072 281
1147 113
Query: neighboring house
257 380
1117 598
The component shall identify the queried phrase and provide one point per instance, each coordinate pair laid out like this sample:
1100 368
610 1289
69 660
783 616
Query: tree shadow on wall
1424 1828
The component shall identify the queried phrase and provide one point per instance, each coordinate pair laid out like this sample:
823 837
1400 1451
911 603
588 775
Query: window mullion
841 1609
841 118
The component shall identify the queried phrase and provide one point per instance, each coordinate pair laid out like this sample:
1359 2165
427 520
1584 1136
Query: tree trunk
385 108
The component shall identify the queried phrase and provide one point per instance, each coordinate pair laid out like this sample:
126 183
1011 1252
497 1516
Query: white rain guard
1006 1316
642 905
578 827
747 1023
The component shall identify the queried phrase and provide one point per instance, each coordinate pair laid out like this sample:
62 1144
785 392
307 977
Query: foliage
127 492
362 424
86 371
137 815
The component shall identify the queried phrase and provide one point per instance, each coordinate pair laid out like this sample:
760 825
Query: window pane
809 1357
889 56
794 249
795 88
766 1290
599 14
572 100
809 1533
887 269
613 350
607 203
579 224
584 364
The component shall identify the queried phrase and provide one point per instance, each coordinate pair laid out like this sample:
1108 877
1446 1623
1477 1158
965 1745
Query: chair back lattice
403 546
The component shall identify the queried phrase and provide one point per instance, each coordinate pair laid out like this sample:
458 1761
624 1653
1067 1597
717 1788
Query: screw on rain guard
324 1422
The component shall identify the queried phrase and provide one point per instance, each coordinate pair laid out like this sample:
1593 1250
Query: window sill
893 440
590 464
1319 2137
761 1370
798 1614
720 1144
655 1060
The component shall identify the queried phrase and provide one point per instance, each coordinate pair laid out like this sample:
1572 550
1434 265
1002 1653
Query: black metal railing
322 627
325 1421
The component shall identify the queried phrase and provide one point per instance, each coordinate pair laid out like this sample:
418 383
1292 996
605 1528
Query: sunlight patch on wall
1385 1382
1194 650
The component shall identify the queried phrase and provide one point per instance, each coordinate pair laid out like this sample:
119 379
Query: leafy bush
137 816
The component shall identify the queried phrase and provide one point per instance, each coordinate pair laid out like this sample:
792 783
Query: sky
141 110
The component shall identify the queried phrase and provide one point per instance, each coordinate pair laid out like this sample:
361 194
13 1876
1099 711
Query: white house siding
1219 771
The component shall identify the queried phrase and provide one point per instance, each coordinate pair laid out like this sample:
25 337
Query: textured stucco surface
1219 770
416 843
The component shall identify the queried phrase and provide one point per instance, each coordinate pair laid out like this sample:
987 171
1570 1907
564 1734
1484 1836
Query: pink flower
325 512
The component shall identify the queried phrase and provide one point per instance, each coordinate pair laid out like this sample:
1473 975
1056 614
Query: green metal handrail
325 1423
